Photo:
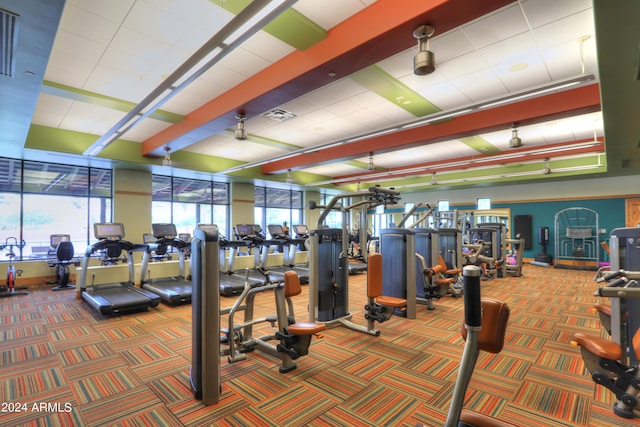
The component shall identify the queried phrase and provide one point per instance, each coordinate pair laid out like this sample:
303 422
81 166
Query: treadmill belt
112 298
171 289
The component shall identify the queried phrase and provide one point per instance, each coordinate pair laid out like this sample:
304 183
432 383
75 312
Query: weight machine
328 259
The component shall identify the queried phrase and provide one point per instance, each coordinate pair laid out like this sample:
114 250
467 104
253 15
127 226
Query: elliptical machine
10 289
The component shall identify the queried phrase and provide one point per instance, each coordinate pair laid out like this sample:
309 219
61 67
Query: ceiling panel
123 49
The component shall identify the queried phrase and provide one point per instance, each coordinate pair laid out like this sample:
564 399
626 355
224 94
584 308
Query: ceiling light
515 141
371 166
424 62
546 169
434 181
167 157
240 132
289 179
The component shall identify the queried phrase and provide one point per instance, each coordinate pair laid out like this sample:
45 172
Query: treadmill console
148 238
301 230
164 231
55 239
245 230
108 230
276 231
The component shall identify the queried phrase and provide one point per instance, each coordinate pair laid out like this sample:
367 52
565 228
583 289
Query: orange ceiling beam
549 107
481 161
375 33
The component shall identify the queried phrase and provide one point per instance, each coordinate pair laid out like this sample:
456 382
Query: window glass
39 199
49 178
484 203
40 220
188 202
161 188
10 175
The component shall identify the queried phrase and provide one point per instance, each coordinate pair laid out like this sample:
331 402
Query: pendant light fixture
515 141
167 157
240 132
425 61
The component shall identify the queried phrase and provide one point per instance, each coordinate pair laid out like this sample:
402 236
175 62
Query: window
40 199
188 202
483 203
443 205
277 206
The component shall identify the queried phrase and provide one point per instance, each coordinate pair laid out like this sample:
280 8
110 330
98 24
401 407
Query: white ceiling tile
244 62
450 45
495 27
113 10
509 49
68 70
77 46
50 110
445 96
222 76
462 65
328 13
333 169
92 119
564 30
541 12
147 128
535 73
478 86
88 25
267 47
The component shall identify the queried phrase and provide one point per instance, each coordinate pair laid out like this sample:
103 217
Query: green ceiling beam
393 90
290 26
480 144
75 94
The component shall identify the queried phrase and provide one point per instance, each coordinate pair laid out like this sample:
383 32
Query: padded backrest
374 275
64 251
636 344
495 317
442 262
291 284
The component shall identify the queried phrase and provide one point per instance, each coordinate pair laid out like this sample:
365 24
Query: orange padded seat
306 328
448 271
292 288
480 420
606 309
374 283
601 347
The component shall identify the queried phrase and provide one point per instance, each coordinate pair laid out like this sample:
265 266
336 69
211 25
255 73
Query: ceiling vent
8 42
279 115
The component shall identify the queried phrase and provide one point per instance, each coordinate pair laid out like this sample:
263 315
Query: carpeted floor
63 364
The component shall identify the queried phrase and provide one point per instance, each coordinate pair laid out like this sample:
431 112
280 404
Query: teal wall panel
611 214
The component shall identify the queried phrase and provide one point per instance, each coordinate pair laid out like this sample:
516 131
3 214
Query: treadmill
289 250
252 236
172 289
232 282
120 297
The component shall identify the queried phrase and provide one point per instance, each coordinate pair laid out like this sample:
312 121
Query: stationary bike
9 289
